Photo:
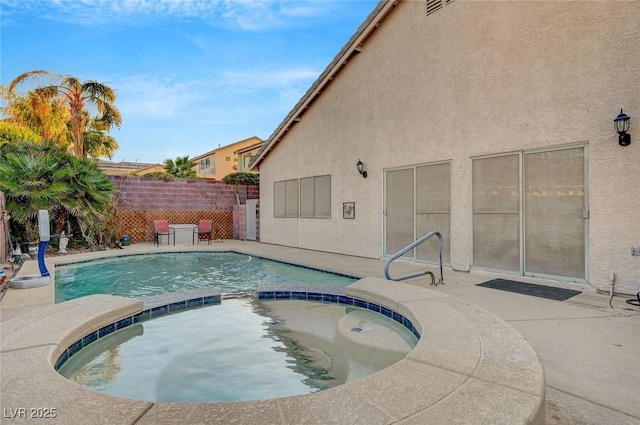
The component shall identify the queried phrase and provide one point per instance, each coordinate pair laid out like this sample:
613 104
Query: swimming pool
152 274
241 350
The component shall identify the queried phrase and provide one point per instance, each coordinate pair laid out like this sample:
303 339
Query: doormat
541 291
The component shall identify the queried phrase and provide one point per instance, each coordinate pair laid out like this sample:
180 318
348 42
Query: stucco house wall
223 160
472 79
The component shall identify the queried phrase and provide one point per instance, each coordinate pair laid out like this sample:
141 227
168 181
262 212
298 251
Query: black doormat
541 291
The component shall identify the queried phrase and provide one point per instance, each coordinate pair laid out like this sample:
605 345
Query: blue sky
190 75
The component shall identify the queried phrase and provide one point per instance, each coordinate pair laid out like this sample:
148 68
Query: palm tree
97 142
77 96
32 179
181 167
37 176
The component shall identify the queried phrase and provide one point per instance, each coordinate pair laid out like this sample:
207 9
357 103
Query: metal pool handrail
410 247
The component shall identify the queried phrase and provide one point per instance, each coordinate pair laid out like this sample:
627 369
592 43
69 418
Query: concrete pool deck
590 352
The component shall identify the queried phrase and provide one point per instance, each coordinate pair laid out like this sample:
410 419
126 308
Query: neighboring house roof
153 168
122 166
204 155
353 47
249 148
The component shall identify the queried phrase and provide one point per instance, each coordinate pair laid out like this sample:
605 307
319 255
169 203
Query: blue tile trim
298 295
211 300
89 338
178 306
374 307
329 298
336 273
314 296
339 299
74 348
407 324
343 299
385 311
127 321
283 295
198 302
269 295
360 303
159 311
144 315
106 330
63 358
216 299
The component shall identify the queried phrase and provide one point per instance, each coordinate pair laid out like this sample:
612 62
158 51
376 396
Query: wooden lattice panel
139 224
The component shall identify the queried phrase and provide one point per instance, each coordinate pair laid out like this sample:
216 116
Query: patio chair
203 231
161 228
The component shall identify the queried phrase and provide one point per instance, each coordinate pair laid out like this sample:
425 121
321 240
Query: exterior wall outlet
635 251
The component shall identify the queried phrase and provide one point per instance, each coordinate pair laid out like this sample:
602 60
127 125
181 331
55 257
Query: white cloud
268 78
156 98
243 14
152 98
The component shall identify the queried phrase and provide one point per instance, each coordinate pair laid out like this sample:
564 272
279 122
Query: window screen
432 209
496 213
285 198
554 205
315 197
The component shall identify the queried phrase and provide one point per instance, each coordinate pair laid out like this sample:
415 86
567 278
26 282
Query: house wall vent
435 5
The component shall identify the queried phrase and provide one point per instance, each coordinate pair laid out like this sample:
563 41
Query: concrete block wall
177 200
239 222
140 193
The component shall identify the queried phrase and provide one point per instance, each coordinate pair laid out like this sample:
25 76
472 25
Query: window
205 163
245 162
207 166
285 198
315 197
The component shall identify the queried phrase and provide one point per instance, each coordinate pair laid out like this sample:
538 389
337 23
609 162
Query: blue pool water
145 275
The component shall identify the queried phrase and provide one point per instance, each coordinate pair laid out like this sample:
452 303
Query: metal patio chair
161 228
203 231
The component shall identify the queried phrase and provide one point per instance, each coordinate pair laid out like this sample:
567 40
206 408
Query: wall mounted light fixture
360 166
622 122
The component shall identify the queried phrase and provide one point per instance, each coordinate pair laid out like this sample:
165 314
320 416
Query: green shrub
242 178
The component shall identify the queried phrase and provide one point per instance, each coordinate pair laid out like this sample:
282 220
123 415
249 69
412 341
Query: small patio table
184 233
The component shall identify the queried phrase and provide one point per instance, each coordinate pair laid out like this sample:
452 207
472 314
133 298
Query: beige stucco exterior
246 154
221 161
472 79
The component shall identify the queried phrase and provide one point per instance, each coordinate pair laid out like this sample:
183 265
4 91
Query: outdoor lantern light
360 166
622 126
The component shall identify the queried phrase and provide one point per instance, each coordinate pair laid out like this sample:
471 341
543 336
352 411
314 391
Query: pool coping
469 364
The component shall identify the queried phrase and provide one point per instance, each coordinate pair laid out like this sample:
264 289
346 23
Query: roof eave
351 48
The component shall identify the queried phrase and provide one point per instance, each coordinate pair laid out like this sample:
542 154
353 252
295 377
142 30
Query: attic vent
435 5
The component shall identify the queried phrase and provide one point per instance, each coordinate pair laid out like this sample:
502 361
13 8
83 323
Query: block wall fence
141 200
239 222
